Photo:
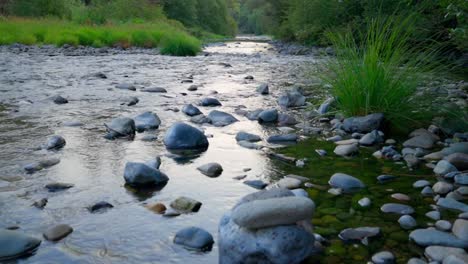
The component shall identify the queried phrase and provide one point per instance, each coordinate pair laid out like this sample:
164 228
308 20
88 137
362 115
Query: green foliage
379 70
171 39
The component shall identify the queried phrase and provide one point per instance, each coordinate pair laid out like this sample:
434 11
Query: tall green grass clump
379 70
180 45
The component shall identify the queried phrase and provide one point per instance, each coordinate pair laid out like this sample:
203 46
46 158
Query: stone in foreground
272 212
58 232
182 136
431 237
146 121
211 169
14 244
383 257
194 238
141 175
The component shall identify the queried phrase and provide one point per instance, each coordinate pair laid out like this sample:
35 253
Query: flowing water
128 233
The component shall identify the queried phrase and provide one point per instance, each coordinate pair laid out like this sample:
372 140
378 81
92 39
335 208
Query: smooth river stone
358 233
244 136
346 182
194 238
220 119
273 212
264 195
185 204
432 237
140 174
395 208
55 142
451 204
58 232
147 120
211 169
183 136
14 244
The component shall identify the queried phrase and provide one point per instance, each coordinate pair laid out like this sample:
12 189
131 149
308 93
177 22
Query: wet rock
147 121
249 77
461 179
421 184
439 253
54 142
459 160
194 238
40 203
289 183
364 202
253 115
154 90
154 163
273 212
443 167
432 237
412 161
336 138
126 86
282 138
244 136
183 136
325 106
279 244
192 88
210 102
257 184
57 99
14 244
383 257
407 222
346 150
58 186
185 204
421 138
460 229
395 208
363 124
442 187
249 145
385 178
291 99
371 138
263 89
158 208
434 215
220 119
286 120
132 101
58 232
400 197
120 127
200 119
191 110
268 116
141 175
443 225
100 207
455 259
360 233
346 182
427 191
37 166
240 177
211 169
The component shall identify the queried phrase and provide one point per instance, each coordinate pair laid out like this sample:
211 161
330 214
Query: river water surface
128 233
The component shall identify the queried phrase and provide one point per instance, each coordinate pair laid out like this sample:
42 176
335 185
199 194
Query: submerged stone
58 232
194 238
14 244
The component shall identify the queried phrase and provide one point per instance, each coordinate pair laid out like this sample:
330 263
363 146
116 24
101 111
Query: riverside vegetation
352 153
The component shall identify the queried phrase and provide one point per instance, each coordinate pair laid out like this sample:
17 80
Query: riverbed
129 232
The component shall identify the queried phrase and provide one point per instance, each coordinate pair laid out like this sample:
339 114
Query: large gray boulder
220 119
15 244
275 245
287 243
291 99
363 124
181 136
120 127
142 175
146 121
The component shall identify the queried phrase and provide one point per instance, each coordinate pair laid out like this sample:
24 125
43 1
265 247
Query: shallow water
128 233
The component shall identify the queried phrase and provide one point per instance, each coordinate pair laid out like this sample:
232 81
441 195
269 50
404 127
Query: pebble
100 206
211 169
383 257
439 253
185 204
58 232
407 222
346 150
427 191
443 225
385 178
257 184
289 183
240 177
421 184
58 186
397 208
434 215
364 202
400 197
346 182
158 208
432 237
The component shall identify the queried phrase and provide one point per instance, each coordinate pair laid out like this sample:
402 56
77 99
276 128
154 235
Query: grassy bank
171 39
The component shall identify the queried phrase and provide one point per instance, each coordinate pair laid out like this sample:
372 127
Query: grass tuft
379 70
180 45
